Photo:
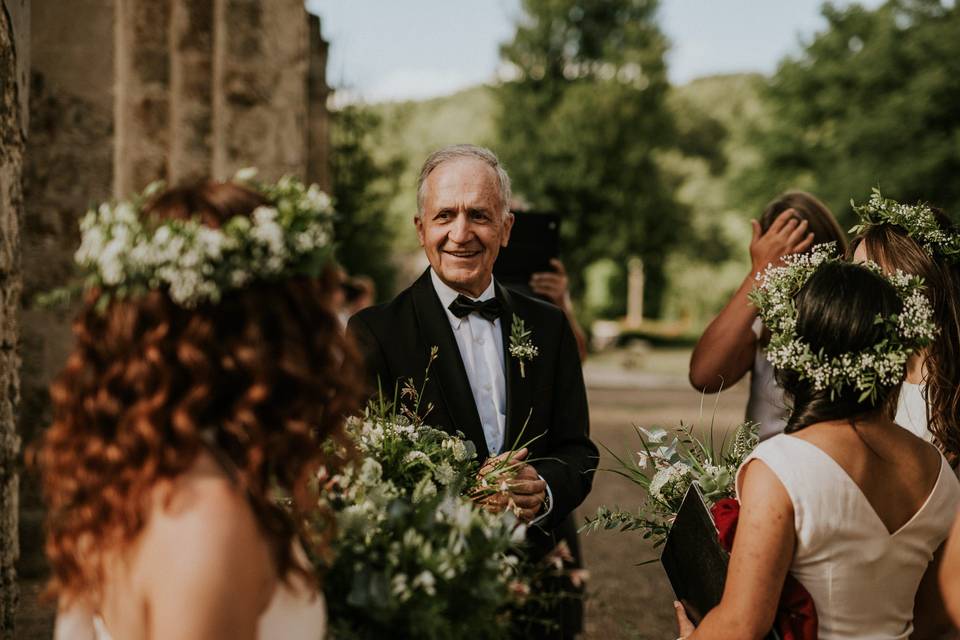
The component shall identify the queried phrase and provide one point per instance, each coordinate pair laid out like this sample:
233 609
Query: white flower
642 459
424 490
197 262
444 473
370 471
425 581
415 457
669 484
246 174
654 436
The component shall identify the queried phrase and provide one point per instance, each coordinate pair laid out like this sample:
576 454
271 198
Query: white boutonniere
521 347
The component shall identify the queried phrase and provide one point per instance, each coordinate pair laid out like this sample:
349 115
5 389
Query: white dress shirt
481 350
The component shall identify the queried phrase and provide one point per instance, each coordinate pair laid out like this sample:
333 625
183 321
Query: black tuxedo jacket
396 339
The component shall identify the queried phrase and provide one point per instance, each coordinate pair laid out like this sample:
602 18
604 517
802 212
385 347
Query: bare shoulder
760 485
202 529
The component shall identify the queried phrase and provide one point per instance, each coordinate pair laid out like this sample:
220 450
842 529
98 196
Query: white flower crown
867 371
123 253
917 220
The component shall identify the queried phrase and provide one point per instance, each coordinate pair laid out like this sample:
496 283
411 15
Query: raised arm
726 349
762 553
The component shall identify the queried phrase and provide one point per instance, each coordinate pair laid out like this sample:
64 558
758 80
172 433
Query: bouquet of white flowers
415 555
665 470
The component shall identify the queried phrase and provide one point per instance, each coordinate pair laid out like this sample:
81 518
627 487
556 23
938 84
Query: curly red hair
266 373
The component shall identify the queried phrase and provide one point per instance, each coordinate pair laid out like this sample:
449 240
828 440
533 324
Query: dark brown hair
265 375
892 248
836 309
821 221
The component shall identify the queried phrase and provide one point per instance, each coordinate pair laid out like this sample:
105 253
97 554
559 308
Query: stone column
191 84
634 293
68 166
142 93
260 101
14 62
318 116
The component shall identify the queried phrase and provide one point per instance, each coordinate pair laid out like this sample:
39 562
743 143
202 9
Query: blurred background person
553 286
929 401
732 344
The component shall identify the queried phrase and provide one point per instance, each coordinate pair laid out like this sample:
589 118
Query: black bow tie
489 309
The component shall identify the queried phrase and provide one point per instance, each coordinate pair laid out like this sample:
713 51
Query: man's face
462 226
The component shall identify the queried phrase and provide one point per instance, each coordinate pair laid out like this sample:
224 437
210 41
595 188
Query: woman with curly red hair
208 380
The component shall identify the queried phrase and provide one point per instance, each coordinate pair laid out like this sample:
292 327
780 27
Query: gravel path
626 601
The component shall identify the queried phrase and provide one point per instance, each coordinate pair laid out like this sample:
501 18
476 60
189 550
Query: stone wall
14 61
260 87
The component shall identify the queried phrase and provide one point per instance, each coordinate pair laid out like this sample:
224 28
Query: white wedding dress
862 577
290 616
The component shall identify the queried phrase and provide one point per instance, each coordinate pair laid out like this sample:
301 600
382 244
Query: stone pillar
142 93
260 92
318 115
634 293
68 166
191 83
14 62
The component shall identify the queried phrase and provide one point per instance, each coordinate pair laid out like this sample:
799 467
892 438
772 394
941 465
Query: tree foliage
362 189
581 125
872 100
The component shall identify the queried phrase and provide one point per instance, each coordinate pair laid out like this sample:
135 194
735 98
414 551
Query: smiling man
498 397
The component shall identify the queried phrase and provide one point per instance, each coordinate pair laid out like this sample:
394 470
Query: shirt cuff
548 504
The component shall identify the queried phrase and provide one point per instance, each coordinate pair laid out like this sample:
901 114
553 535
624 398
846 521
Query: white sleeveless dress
863 578
290 616
767 404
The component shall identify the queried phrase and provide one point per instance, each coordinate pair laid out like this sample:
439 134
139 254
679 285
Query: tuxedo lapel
518 387
448 370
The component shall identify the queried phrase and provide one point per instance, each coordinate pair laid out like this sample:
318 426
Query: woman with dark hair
734 341
850 504
208 378
922 241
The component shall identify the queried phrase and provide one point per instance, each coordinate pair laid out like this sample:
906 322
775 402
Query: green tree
581 125
362 189
872 100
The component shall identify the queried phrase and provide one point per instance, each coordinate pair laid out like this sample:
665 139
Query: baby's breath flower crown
867 371
917 220
124 253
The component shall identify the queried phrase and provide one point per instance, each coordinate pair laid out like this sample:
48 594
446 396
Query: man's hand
788 234
527 493
553 285
516 485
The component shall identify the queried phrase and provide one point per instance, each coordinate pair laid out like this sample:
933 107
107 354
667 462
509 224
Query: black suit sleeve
378 373
572 458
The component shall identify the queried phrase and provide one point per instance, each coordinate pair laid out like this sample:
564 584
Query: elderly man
496 389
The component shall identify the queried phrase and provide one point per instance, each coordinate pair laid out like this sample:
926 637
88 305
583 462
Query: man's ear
418 223
508 219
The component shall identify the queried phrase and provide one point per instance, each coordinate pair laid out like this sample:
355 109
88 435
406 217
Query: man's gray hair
465 151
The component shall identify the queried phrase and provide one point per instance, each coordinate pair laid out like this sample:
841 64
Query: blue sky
402 49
